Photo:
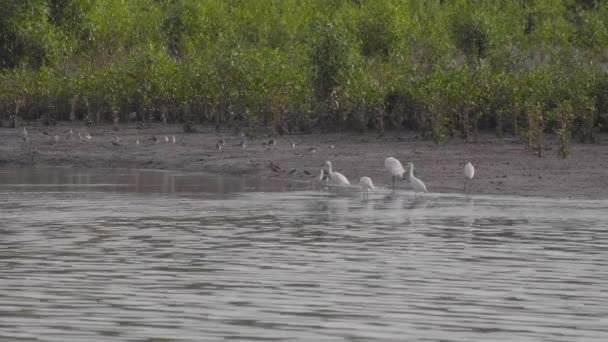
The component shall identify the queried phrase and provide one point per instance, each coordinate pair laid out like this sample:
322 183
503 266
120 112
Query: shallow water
153 256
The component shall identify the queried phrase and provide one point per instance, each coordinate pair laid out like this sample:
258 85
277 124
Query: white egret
469 173
166 139
173 140
25 138
416 183
336 178
394 168
366 185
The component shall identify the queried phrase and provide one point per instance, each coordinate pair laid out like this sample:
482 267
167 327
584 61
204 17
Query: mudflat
502 166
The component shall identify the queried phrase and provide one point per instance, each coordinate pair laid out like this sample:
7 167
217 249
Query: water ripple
281 266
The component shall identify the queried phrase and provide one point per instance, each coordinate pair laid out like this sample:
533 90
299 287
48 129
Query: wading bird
469 173
394 168
173 139
416 183
366 185
25 137
336 178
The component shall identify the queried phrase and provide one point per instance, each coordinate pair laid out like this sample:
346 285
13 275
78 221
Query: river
110 255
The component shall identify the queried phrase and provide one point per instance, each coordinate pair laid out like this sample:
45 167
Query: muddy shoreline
502 166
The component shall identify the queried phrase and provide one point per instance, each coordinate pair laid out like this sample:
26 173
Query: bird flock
327 176
395 170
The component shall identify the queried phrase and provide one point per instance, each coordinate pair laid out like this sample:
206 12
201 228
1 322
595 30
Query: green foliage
442 67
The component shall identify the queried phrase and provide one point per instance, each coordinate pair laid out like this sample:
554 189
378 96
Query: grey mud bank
502 166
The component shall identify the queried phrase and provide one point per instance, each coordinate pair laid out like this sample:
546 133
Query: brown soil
502 166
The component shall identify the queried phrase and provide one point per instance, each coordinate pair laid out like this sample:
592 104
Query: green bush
444 68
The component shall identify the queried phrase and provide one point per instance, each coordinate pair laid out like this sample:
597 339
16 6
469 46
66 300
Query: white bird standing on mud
366 185
469 173
336 178
25 137
416 183
394 168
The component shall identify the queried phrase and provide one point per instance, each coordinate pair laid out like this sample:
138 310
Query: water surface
103 255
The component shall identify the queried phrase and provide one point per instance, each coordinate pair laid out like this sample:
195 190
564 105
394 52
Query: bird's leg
465 185
393 183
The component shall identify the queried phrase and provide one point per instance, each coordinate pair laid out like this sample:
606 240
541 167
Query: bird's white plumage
393 167
336 178
416 183
366 184
469 171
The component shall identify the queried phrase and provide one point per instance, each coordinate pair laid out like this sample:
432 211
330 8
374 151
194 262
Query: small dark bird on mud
242 144
274 167
312 149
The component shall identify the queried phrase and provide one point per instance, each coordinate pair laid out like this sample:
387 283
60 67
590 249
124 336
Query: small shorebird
394 168
221 142
416 183
293 144
336 178
312 149
242 144
469 173
155 139
218 146
366 185
87 135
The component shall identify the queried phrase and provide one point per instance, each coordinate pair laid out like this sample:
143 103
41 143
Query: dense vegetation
526 67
